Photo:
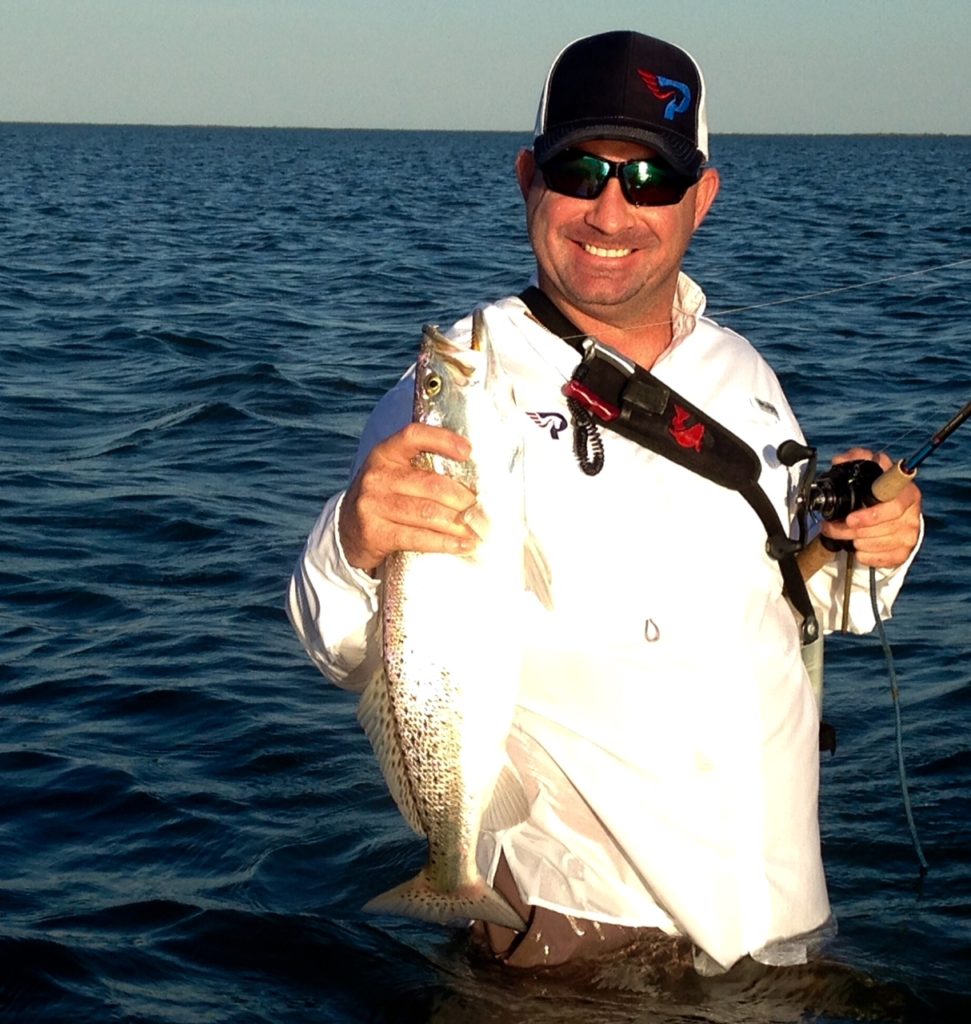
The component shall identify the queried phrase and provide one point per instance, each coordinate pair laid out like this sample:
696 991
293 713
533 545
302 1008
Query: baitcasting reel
860 483
832 495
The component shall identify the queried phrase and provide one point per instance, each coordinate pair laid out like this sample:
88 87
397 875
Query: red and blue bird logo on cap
677 93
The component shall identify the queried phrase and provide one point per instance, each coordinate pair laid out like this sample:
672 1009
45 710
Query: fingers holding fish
395 505
418 438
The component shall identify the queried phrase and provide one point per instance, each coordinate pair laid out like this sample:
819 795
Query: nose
609 212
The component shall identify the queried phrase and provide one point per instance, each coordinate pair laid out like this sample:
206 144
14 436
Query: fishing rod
938 439
846 487
856 484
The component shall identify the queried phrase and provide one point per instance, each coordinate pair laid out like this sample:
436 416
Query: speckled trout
439 713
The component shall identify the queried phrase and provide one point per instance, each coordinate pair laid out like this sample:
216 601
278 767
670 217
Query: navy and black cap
625 85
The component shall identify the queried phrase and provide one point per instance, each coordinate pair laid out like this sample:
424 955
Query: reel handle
887 486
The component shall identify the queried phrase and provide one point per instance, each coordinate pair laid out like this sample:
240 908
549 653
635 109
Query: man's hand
883 535
392 505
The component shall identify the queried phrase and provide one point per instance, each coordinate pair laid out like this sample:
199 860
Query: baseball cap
625 85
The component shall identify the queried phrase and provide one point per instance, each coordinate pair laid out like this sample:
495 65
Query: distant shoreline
460 131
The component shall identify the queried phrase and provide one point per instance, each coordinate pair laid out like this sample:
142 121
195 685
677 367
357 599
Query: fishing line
895 695
806 296
871 283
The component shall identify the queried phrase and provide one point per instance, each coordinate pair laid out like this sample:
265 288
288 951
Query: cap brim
678 151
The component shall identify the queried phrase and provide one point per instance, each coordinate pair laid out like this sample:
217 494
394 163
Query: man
666 731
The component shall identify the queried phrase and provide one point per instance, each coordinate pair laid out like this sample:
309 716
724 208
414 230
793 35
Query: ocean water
194 324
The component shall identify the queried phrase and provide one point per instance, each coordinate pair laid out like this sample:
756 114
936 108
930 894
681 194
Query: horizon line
480 131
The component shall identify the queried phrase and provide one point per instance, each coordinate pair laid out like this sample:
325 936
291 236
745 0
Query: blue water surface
195 323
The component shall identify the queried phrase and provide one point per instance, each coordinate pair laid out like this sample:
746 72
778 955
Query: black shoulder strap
549 315
627 399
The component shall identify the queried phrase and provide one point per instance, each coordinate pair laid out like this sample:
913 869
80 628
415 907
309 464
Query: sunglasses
644 182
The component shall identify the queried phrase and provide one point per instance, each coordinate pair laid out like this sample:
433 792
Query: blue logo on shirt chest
554 422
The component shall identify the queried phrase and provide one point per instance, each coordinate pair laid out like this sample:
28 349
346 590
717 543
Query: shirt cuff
326 553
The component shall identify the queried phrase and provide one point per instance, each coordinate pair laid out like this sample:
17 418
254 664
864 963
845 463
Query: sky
789 66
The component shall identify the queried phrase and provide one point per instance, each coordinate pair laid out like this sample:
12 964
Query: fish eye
433 384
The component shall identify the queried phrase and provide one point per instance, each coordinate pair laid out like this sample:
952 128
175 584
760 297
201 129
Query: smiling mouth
610 254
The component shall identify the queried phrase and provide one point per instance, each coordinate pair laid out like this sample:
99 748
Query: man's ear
707 189
525 170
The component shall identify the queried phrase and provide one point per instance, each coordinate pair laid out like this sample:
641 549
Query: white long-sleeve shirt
665 728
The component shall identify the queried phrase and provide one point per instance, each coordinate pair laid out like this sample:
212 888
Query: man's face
604 257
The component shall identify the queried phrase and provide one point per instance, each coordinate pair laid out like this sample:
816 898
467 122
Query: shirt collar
689 305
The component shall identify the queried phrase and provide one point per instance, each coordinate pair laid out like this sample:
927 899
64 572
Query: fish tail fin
475 901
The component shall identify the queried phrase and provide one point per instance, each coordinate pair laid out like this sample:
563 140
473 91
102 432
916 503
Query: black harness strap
616 393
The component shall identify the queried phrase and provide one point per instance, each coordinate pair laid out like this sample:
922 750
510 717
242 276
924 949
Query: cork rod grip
892 481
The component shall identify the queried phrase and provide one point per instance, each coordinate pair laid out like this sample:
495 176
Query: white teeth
608 253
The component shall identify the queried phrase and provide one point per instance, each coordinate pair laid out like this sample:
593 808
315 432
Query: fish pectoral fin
536 572
375 712
477 521
508 805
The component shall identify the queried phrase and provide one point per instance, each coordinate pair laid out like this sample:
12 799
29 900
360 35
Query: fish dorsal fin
375 712
509 804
